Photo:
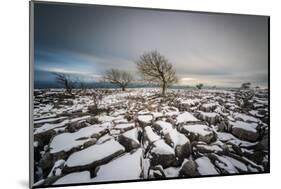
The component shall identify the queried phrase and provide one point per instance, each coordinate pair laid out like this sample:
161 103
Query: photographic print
122 94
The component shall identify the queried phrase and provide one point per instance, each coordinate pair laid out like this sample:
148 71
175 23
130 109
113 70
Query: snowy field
110 135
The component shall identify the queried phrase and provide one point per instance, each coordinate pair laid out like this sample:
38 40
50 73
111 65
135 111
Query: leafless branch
66 82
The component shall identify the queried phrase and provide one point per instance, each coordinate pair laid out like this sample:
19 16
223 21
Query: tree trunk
123 88
163 89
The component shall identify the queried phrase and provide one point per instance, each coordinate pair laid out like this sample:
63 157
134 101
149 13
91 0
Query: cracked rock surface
138 134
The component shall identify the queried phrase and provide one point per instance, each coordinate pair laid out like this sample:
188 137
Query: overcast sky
213 49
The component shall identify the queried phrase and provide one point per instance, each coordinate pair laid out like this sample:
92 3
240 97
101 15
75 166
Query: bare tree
118 77
199 86
155 68
66 82
96 97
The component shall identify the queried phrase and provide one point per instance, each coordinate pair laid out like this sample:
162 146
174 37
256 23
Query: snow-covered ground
138 134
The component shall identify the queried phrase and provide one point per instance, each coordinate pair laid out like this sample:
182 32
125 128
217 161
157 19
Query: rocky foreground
109 135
